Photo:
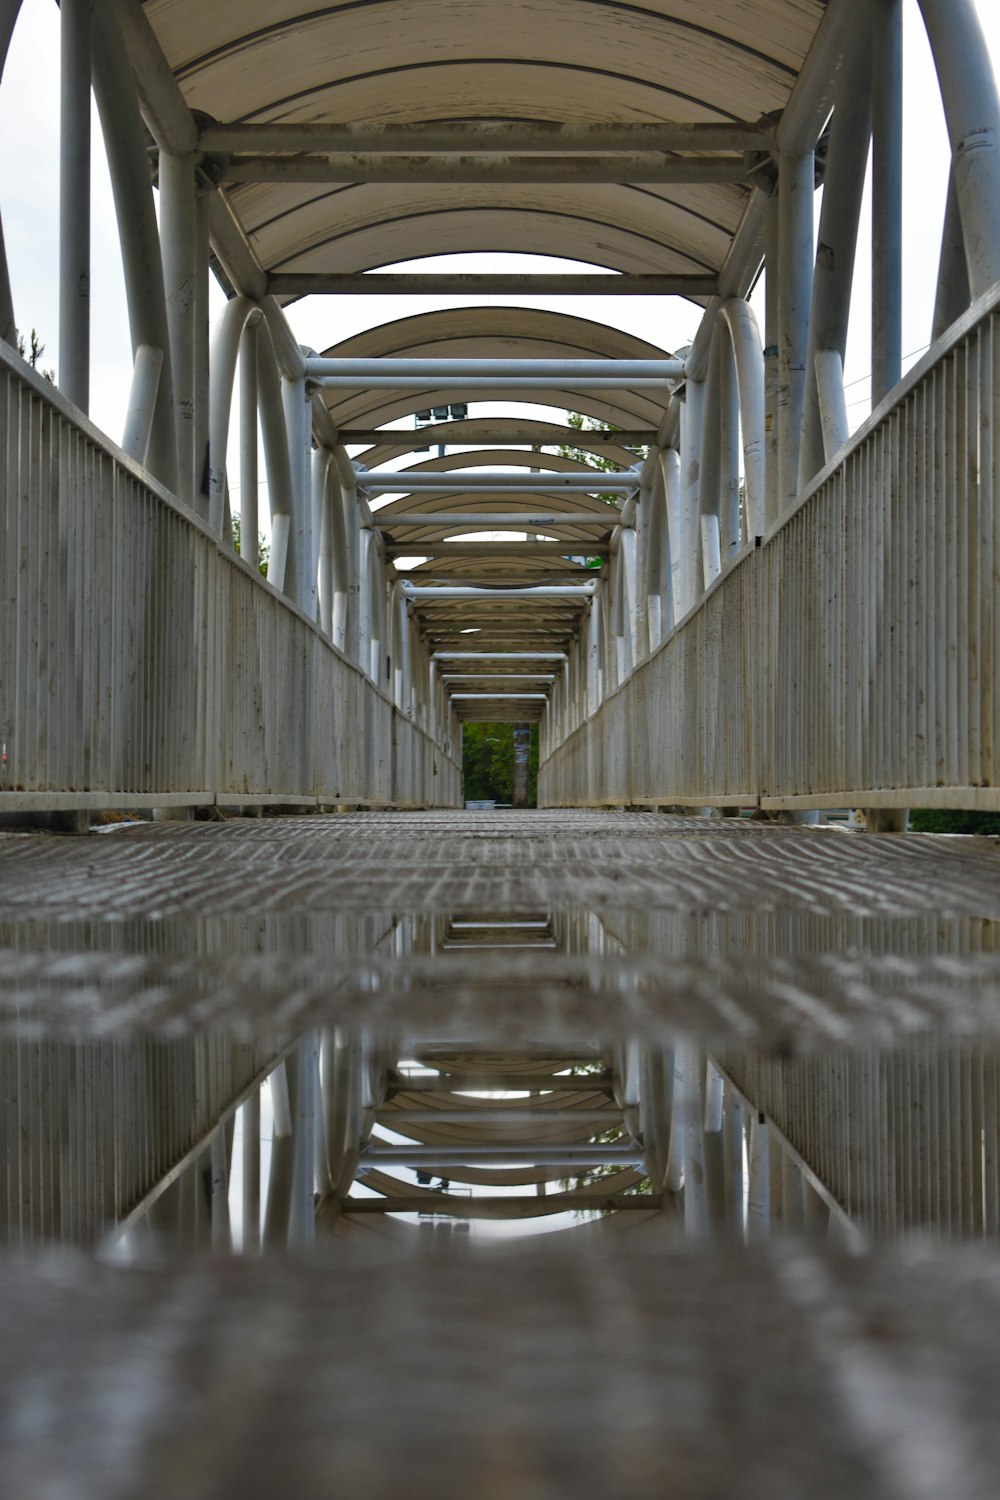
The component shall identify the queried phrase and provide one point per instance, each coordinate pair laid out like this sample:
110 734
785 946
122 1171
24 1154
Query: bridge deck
844 984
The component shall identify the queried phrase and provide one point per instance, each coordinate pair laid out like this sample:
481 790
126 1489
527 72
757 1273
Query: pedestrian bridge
740 1064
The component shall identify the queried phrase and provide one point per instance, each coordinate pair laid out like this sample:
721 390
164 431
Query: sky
29 114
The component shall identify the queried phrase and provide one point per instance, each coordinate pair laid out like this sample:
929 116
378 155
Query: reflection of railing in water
92 1127
732 1139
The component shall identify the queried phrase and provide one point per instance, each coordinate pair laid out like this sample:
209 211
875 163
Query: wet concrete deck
847 983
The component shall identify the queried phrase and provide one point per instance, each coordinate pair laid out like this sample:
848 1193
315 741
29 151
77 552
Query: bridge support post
953 291
74 201
687 554
796 191
843 190
300 584
178 239
886 819
887 197
772 363
249 475
972 110
710 466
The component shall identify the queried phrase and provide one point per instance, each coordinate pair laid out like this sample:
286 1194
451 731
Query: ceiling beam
387 520
508 550
587 481
344 167
488 284
501 137
475 432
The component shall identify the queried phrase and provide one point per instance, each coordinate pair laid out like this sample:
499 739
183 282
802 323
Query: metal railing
143 663
850 659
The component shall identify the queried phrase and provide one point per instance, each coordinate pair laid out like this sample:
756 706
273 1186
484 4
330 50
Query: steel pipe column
178 241
843 190
887 197
796 189
74 201
972 110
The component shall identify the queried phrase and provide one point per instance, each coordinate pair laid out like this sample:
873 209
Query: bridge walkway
300 1081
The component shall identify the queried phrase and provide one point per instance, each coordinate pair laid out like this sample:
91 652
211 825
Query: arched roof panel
378 224
495 333
463 61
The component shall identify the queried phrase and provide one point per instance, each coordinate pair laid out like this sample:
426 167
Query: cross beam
490 284
443 548
399 481
322 367
502 137
512 1207
353 167
387 520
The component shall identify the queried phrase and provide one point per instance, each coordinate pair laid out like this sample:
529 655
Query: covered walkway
290 1049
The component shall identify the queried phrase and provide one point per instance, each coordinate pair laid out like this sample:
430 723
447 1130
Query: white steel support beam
829 373
496 137
396 167
972 111
225 350
323 537
74 201
685 553
297 403
668 480
843 190
142 401
319 366
478 432
249 466
499 548
887 196
445 481
797 132
772 335
709 464
498 520
178 241
953 291
489 284
796 191
201 346
580 1158
502 656
745 337
138 232
730 519
569 591
8 327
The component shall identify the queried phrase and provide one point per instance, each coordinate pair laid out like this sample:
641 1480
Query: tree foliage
586 458
488 763
263 549
32 351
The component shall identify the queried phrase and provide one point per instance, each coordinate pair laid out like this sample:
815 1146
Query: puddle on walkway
253 1084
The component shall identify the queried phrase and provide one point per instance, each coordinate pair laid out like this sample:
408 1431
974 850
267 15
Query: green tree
263 549
33 352
950 820
488 763
587 459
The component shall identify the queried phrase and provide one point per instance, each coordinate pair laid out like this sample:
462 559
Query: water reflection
592 1074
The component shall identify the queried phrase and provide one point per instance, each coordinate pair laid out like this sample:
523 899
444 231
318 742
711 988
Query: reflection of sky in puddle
282 1081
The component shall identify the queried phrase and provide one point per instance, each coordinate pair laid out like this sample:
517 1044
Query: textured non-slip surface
446 862
726 929
556 1371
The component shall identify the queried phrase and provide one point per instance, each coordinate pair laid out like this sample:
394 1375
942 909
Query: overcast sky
29 113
